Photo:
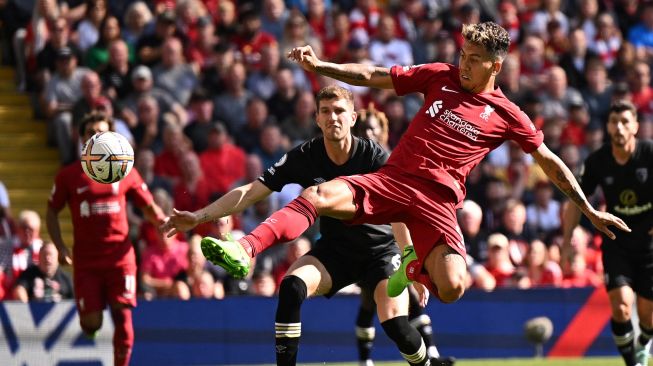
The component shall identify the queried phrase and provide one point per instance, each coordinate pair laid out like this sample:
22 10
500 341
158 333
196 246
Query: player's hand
64 257
179 221
422 293
304 56
601 220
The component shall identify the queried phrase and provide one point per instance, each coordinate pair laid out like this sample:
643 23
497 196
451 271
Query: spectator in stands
575 271
300 126
571 155
98 55
227 20
608 40
201 279
364 19
201 53
470 217
272 145
230 103
45 281
573 132
161 262
335 45
597 93
173 74
274 17
27 242
641 35
543 215
251 39
116 74
386 49
190 15
201 117
318 15
281 104
193 190
626 59
297 33
223 58
539 270
143 86
149 46
46 59
91 91
373 125
534 65
498 263
148 131
550 11
397 119
293 251
639 81
509 79
557 95
61 93
223 163
575 60
88 29
256 114
261 82
138 21
513 226
175 145
263 284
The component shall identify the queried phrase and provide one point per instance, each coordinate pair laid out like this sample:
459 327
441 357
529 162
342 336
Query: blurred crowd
204 92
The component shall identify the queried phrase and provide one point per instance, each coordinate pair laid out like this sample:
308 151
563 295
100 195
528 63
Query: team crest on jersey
281 161
487 112
641 174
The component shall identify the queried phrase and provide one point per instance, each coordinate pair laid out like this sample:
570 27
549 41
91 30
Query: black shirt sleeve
284 171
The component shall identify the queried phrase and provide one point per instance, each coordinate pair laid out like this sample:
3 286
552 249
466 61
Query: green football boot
227 253
399 280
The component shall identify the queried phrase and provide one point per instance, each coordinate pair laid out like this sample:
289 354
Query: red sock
284 225
123 336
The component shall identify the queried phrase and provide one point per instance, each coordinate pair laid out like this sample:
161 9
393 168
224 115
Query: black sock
408 340
624 335
288 328
421 322
365 332
645 335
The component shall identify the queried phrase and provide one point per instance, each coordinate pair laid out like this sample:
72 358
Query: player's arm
354 74
232 202
570 219
564 179
54 230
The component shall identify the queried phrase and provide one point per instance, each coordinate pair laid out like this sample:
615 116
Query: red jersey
99 215
454 129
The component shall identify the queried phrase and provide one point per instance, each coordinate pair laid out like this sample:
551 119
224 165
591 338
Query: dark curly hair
493 37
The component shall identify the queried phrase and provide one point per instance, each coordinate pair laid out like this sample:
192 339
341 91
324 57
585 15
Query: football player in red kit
104 260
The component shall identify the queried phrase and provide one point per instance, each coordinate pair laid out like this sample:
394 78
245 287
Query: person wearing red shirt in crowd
161 262
639 82
498 262
193 190
251 39
223 163
541 271
574 131
104 260
168 163
462 119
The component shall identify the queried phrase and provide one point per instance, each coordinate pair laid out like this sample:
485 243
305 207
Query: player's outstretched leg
400 279
288 326
228 254
422 322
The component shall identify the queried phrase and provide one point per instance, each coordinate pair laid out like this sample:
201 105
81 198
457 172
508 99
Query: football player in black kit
364 254
622 168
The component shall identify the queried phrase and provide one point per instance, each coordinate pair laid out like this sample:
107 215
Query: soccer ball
107 157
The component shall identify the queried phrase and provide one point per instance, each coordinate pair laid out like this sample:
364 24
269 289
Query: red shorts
427 208
97 288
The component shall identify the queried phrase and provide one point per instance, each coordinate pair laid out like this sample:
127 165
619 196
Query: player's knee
621 312
318 196
292 291
451 288
90 325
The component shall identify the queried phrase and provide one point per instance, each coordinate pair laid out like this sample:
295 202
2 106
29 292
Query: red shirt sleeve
523 131
59 194
138 191
418 78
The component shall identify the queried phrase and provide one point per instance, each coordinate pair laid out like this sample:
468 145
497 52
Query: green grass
589 361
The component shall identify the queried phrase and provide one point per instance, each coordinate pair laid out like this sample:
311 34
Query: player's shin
624 335
288 328
123 336
365 334
408 340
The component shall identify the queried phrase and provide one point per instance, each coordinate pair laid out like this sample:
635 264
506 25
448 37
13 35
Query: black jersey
628 189
308 164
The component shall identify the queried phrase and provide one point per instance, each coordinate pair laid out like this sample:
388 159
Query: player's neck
339 151
623 153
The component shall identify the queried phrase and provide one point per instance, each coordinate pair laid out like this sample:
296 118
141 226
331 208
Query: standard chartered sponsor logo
459 124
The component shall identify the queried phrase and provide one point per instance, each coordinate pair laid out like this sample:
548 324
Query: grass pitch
589 361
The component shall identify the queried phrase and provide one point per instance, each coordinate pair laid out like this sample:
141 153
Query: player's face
335 117
477 68
93 128
622 127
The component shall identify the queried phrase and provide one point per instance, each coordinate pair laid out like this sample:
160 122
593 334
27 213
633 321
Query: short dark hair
334 92
623 105
493 37
94 117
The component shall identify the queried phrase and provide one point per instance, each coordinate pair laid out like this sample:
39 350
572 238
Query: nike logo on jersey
81 190
444 88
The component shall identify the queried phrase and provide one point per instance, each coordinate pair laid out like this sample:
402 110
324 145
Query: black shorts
624 266
345 270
